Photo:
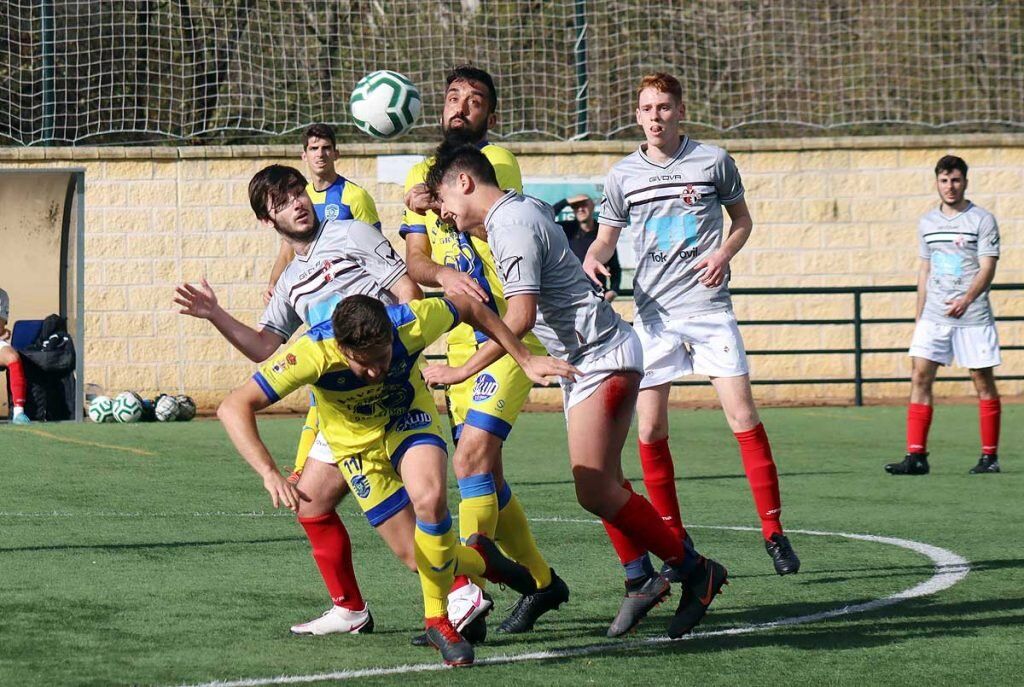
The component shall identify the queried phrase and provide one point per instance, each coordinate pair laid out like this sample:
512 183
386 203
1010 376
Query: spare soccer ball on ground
127 407
385 104
101 409
186 407
166 408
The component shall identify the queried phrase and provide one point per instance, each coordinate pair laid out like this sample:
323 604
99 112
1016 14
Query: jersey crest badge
331 212
690 195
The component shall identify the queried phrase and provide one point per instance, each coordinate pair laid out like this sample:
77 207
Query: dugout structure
42 261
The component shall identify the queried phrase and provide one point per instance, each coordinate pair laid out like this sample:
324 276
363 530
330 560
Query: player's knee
652 430
7 356
744 419
921 379
472 458
593 489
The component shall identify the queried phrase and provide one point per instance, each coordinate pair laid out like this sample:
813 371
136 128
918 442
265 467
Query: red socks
332 551
645 530
989 412
17 376
756 453
660 481
625 548
919 419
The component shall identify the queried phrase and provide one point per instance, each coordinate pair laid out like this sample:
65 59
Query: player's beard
300 236
464 134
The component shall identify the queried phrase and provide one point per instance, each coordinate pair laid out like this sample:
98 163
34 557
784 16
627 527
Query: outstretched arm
505 336
201 302
237 413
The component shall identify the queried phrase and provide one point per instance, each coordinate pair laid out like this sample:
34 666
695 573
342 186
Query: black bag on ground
49 364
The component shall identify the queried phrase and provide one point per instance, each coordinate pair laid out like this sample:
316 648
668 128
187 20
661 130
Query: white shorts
626 356
973 347
708 344
321 450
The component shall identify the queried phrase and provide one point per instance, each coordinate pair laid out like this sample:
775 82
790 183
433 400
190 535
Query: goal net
75 71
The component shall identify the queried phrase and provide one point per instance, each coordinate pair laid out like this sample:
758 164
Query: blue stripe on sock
476 485
639 568
436 528
504 495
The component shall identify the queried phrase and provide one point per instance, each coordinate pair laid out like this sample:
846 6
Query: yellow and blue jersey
343 200
354 415
461 251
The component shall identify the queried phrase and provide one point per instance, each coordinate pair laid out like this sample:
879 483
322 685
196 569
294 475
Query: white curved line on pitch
949 569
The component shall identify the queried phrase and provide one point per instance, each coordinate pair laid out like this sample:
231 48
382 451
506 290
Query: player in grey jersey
669 196
959 247
546 291
333 260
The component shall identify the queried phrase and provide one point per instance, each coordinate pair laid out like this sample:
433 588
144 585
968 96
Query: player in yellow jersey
380 422
483 408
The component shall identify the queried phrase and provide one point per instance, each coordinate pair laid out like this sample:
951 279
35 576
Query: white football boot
466 604
337 620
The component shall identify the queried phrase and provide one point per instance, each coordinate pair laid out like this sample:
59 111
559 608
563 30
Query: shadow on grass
914 619
153 545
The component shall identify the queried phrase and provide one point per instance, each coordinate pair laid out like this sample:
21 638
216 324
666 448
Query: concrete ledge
350 150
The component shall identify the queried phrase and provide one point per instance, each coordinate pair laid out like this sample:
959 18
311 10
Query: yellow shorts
372 474
490 400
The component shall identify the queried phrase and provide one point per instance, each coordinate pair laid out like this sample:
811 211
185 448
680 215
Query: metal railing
857 321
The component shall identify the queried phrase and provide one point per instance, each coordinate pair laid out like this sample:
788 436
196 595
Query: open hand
198 302
543 369
282 492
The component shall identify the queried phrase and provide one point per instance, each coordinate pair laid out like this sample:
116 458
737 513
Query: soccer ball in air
101 409
166 408
385 104
127 407
186 407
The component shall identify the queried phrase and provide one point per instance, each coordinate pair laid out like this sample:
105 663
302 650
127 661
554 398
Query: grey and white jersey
532 256
347 257
953 245
674 211
5 306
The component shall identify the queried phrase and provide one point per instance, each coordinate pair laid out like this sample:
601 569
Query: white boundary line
949 569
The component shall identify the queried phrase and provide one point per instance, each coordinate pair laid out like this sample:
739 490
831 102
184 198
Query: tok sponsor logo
361 485
331 212
485 387
414 419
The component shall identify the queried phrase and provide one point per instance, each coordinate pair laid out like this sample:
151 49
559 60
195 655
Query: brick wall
827 212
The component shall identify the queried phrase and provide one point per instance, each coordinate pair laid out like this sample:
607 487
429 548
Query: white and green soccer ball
101 409
186 407
167 408
385 104
127 407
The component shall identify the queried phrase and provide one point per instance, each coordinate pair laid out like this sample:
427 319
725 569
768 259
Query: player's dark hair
948 163
451 158
276 183
319 130
662 82
361 322
467 72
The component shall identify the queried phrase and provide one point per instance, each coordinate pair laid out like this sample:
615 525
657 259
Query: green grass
121 568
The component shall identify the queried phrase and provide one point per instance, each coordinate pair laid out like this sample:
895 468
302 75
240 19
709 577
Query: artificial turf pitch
148 554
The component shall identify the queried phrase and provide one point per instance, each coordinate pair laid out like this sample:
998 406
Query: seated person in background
9 359
582 231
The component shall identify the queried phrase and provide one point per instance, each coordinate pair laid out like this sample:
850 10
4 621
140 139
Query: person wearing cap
581 232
